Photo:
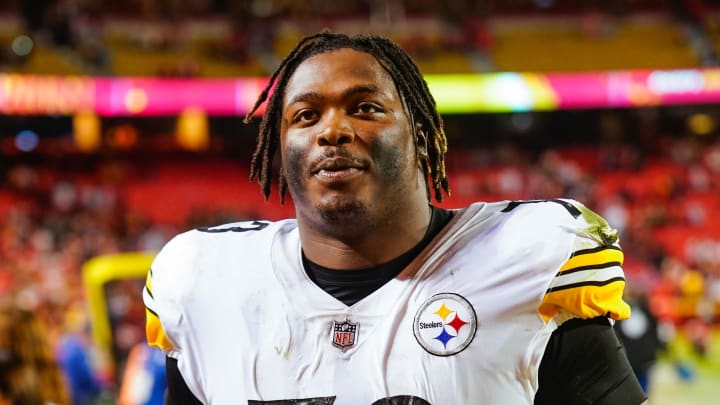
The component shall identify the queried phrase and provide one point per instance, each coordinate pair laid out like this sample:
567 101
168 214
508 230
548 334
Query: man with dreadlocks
372 295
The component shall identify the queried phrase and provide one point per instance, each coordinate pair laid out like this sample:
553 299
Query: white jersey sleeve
169 277
184 274
591 282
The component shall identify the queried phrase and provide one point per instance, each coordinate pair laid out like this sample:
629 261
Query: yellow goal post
96 273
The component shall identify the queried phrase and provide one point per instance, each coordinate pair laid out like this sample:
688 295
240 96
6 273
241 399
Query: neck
367 245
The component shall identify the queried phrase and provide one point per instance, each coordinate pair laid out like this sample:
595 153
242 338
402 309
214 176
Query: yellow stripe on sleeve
587 301
593 257
155 333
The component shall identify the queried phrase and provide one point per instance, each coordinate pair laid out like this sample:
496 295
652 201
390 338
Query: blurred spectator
74 353
144 379
640 335
29 374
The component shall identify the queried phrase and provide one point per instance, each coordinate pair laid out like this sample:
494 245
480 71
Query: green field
668 388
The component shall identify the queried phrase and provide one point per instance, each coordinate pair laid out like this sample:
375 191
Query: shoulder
565 224
564 214
199 262
574 251
239 235
523 240
560 210
176 264
246 231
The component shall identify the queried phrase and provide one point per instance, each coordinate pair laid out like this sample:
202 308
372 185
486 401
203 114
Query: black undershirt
583 364
350 286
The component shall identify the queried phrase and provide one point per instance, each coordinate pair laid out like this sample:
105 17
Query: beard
343 214
343 211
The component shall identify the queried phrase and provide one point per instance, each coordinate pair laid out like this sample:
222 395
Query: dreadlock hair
414 93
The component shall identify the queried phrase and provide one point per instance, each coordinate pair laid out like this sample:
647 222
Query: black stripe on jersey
573 210
147 287
303 401
585 284
593 250
255 226
149 292
152 312
589 267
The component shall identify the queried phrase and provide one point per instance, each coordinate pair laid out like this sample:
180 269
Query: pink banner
125 96
146 96
636 88
49 95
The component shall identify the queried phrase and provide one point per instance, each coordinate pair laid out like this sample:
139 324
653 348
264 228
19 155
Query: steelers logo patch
445 324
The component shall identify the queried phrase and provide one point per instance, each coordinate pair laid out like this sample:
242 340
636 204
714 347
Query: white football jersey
466 322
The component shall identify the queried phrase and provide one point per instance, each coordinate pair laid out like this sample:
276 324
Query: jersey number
573 210
255 226
396 400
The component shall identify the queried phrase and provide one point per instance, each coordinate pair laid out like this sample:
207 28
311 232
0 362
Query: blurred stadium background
121 125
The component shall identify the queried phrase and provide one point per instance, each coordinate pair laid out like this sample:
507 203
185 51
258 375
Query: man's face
348 150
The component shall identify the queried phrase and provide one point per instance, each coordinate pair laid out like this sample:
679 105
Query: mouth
337 169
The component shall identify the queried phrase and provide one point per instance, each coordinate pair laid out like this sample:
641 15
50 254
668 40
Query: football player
372 295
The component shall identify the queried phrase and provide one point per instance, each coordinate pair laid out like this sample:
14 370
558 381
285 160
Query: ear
421 142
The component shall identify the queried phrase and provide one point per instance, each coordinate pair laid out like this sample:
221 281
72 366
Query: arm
584 363
171 277
178 392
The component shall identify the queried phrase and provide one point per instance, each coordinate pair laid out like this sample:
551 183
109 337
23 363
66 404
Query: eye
368 108
305 116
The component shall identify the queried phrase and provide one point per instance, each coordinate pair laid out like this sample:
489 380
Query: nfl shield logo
344 334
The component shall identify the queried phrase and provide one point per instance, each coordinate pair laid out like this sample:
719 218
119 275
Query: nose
337 130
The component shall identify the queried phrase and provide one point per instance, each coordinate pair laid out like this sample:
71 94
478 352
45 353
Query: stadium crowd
231 38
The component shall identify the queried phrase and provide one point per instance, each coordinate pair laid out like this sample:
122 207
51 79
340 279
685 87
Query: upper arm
170 278
154 330
177 389
584 363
